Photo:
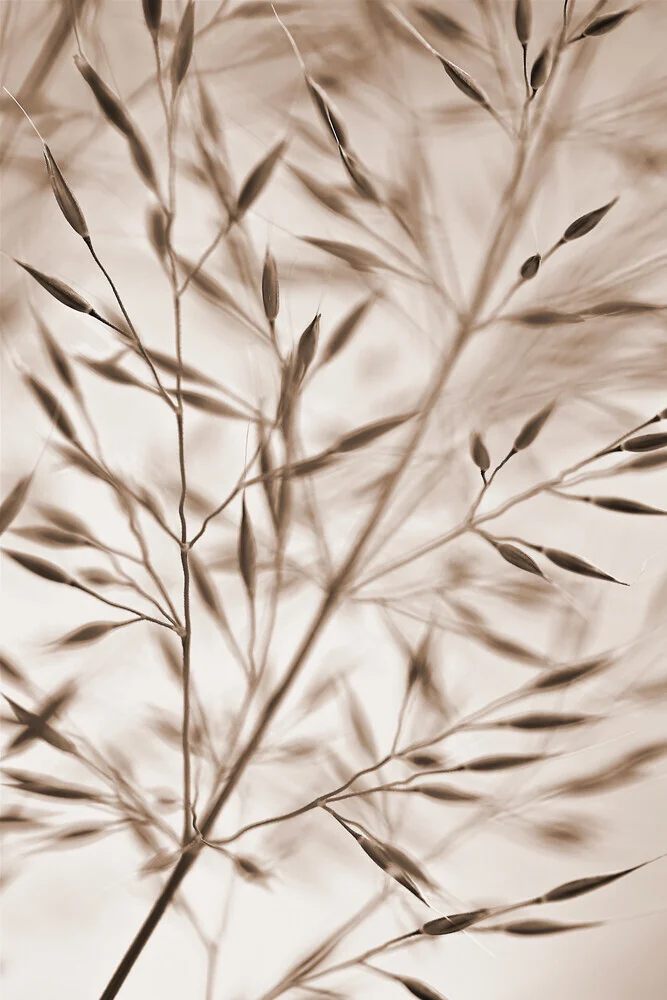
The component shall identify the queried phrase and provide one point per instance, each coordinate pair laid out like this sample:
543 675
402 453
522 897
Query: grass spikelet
13 503
644 442
357 257
64 195
523 18
307 346
445 25
582 886
623 506
574 564
500 762
543 720
59 360
40 567
465 83
59 290
345 329
540 69
270 287
49 787
418 989
587 223
152 15
369 433
107 101
479 454
53 408
532 428
328 112
540 928
530 267
516 557
142 160
327 197
182 53
90 633
564 676
455 922
444 793
209 404
247 551
606 22
257 179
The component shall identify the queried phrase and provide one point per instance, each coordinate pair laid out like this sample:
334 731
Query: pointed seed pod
581 886
530 267
532 428
523 16
40 567
645 442
69 206
464 82
52 408
607 22
328 112
13 502
108 103
142 159
540 70
576 565
479 453
419 989
270 287
258 178
516 557
586 223
182 53
58 289
152 15
247 551
345 328
307 346
455 922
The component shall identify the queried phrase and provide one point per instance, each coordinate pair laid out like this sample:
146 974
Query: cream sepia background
68 914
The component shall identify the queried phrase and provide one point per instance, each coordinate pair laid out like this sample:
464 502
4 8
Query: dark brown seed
369 433
142 159
500 762
607 22
69 206
258 178
345 328
307 346
532 428
113 372
534 928
270 287
182 53
586 223
40 567
109 104
442 23
563 676
88 633
543 720
38 784
52 408
247 551
455 922
523 16
464 82
329 115
444 793
358 174
419 989
645 442
540 70
210 405
59 360
60 291
576 565
531 266
479 453
13 502
624 506
547 317
580 886
323 194
516 557
46 535
157 230
357 257
152 15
